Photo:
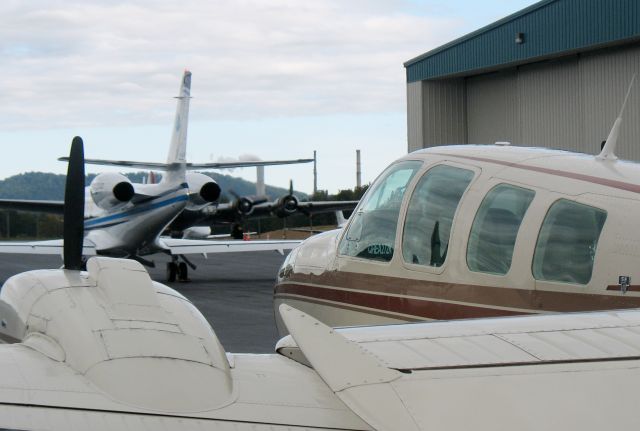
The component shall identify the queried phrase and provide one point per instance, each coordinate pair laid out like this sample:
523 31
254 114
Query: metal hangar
553 75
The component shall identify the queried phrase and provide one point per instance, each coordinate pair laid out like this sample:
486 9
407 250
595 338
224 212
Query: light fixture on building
519 38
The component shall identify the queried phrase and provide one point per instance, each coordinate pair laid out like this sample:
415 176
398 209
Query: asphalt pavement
234 292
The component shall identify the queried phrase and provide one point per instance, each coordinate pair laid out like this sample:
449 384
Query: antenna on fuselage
73 223
608 151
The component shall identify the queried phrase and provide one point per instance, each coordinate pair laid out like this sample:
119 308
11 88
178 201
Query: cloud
105 63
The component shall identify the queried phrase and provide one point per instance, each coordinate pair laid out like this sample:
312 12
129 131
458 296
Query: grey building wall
568 103
436 113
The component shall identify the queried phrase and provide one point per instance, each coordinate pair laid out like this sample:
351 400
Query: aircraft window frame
439 265
494 209
563 260
382 252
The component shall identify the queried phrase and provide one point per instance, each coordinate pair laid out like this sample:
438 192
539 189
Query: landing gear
178 268
172 271
183 272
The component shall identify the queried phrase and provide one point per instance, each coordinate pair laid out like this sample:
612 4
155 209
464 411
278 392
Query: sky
272 79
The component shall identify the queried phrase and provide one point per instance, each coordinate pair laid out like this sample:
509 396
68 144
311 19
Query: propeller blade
73 223
290 187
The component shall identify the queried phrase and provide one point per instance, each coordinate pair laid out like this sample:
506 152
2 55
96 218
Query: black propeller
288 204
244 204
73 223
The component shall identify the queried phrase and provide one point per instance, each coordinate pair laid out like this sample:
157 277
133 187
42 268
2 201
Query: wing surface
314 207
192 246
190 166
53 207
247 164
54 246
559 372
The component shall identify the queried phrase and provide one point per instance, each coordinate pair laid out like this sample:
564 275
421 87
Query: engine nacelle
109 190
196 232
286 206
202 191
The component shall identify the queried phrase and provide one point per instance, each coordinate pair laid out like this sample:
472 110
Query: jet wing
190 166
53 207
125 163
54 246
192 246
247 164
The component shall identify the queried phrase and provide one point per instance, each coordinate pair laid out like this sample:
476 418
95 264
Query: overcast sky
271 78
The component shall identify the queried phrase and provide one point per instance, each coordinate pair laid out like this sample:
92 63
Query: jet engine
202 191
109 190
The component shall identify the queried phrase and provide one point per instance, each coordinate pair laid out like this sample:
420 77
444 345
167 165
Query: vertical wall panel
444 112
550 105
605 78
492 108
414 116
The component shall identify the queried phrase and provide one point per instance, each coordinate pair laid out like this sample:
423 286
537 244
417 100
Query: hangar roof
548 29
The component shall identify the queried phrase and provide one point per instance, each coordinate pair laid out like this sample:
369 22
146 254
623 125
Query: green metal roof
551 28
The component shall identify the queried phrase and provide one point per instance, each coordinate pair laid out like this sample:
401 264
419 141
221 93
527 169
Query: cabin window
495 227
567 242
430 214
372 233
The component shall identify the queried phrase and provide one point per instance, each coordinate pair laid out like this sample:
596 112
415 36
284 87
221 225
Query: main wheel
183 272
172 270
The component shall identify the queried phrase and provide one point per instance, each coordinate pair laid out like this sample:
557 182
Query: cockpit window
494 230
372 233
430 214
567 242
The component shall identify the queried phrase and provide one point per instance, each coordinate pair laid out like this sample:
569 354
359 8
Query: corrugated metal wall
568 104
444 112
414 115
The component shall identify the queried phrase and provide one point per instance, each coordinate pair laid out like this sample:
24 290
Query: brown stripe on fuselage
491 296
414 307
358 308
632 288
630 187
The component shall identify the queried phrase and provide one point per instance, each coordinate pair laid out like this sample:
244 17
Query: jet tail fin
177 157
178 148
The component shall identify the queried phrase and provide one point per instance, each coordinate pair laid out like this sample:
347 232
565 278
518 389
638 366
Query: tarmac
234 292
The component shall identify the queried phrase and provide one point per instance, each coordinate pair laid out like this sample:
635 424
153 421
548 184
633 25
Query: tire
183 272
172 270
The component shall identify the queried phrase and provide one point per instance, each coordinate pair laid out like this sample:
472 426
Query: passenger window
372 233
567 242
430 214
495 227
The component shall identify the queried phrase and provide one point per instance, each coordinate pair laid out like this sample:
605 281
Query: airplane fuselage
133 228
476 231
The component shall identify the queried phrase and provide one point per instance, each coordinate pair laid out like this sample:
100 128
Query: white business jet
125 220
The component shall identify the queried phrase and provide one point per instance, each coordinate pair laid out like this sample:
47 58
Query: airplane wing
54 246
190 166
192 246
247 164
541 372
110 349
53 207
316 207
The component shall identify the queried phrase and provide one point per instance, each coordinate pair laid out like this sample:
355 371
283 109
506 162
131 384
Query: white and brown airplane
477 231
108 348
